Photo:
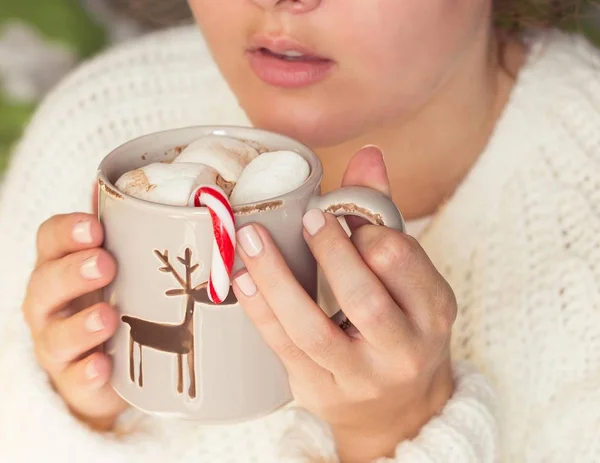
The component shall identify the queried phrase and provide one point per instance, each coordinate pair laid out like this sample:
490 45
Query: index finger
302 319
65 234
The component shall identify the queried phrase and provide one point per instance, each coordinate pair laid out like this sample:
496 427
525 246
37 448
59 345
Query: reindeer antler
168 268
187 261
186 285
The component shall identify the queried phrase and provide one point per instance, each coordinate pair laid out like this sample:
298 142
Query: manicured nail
246 284
89 269
313 221
250 240
376 147
90 371
93 323
82 232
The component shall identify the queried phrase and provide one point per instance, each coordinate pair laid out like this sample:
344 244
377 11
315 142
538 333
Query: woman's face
362 63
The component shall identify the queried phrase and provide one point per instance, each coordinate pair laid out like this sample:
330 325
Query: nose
293 6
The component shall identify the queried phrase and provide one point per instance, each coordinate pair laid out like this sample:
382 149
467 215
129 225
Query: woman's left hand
380 382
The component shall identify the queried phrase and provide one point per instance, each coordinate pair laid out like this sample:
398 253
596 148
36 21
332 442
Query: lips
290 55
285 63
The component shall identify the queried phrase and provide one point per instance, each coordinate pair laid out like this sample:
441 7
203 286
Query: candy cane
223 223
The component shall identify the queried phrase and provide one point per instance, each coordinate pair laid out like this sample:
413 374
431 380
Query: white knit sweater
519 242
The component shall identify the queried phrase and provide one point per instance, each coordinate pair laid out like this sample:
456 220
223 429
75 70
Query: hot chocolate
245 172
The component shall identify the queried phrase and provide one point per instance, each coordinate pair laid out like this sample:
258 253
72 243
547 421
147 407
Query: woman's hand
66 337
380 382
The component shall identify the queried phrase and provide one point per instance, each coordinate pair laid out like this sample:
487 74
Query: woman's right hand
70 265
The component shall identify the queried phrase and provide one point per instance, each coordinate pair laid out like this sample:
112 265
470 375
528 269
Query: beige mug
175 353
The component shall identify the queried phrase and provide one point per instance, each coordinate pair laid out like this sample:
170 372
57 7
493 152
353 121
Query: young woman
478 341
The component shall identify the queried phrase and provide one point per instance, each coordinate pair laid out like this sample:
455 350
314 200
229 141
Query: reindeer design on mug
172 338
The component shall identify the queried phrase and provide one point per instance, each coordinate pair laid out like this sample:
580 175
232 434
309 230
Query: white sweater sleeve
466 431
36 423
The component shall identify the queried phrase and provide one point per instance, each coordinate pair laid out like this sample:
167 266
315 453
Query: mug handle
363 202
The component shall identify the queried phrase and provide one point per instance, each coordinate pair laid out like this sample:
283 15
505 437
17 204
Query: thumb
367 168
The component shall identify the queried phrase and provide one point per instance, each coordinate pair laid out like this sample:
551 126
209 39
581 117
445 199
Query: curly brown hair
515 15
510 15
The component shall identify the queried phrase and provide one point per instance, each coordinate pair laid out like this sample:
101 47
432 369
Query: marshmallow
170 184
269 175
257 146
228 156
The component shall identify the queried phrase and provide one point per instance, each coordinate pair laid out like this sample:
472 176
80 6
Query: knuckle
271 283
378 303
374 305
26 307
67 343
49 282
42 231
445 307
35 291
49 351
317 342
55 277
329 246
40 355
48 230
263 316
28 316
36 281
48 279
364 234
388 250
67 270
287 350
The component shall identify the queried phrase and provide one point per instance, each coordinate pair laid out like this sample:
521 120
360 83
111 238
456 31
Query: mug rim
308 187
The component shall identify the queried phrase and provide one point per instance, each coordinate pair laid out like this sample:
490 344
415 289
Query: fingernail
90 371
246 284
313 221
94 323
82 232
89 269
376 147
250 240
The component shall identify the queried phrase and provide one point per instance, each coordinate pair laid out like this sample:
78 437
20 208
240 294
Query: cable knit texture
519 242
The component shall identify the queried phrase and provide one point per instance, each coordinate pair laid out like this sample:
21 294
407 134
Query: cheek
227 27
404 48
224 25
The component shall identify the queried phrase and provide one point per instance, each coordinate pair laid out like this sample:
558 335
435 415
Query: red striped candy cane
223 222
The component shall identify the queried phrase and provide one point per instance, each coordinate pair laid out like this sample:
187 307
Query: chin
321 136
318 125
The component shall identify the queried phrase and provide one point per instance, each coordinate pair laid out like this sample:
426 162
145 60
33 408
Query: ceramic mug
175 353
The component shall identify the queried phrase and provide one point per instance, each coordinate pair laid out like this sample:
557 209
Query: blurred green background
63 22
42 40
